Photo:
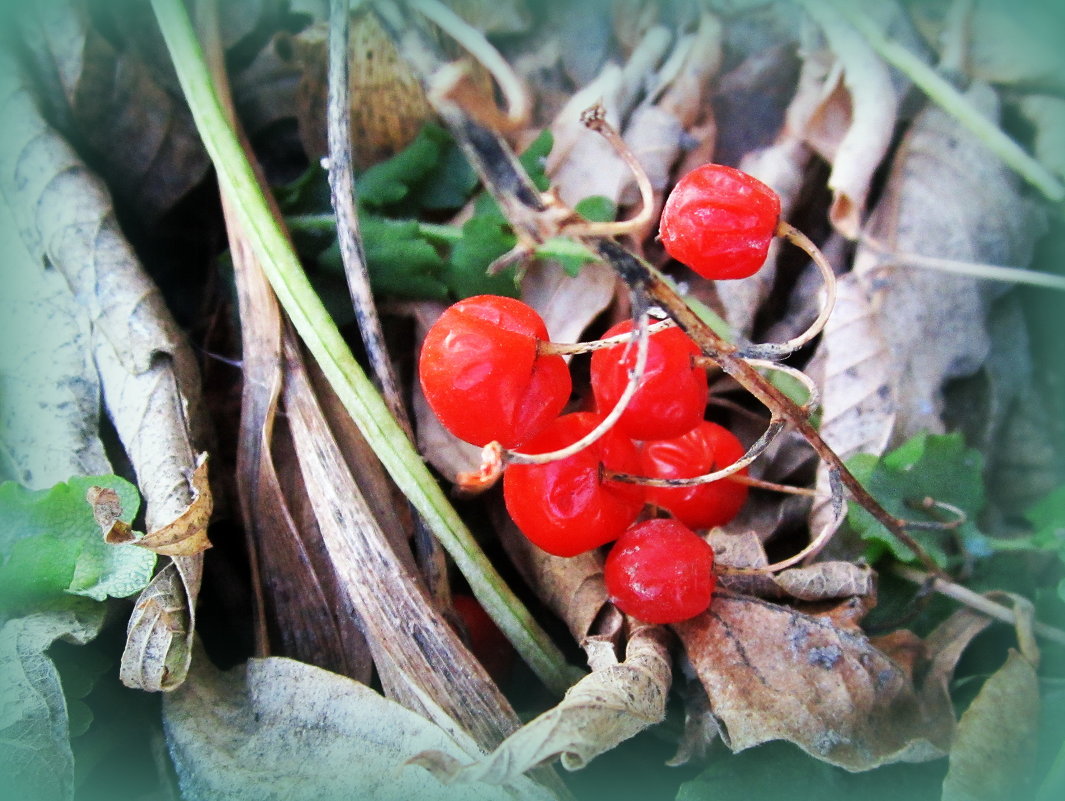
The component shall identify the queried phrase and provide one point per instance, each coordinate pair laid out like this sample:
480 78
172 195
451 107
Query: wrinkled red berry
719 221
483 377
706 448
565 507
671 398
660 571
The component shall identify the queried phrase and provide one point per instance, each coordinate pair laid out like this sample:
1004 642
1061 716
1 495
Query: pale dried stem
756 450
566 349
975 601
475 43
813 400
778 350
595 119
772 486
635 377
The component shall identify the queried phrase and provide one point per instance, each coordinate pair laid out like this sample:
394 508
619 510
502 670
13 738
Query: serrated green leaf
449 183
484 239
51 547
390 181
401 263
933 466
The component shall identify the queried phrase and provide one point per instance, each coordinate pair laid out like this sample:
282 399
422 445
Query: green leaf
400 261
484 239
933 466
534 159
51 546
597 208
390 181
571 255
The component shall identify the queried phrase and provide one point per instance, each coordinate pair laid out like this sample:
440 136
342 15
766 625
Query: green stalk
323 340
952 101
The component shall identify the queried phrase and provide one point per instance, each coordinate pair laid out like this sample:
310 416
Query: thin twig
974 600
431 559
544 348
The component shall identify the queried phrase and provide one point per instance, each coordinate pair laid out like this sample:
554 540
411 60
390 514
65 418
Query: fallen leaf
948 197
279 729
608 706
857 398
774 673
994 750
825 580
108 94
36 760
854 125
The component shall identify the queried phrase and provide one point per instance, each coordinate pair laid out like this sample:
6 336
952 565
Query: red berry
704 449
719 221
565 507
482 375
660 571
671 398
483 637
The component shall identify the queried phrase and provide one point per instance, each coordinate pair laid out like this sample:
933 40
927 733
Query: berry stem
568 349
757 449
778 350
641 337
728 357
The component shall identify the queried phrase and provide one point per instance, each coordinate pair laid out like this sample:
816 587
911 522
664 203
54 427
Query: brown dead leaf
948 197
186 535
606 707
106 511
108 94
774 673
824 580
993 755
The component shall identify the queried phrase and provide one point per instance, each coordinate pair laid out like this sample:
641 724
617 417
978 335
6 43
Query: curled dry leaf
280 729
825 580
771 672
947 196
606 707
186 535
108 94
853 126
148 373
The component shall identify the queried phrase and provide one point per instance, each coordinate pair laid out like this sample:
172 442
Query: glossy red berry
719 221
704 449
482 374
565 507
671 398
660 571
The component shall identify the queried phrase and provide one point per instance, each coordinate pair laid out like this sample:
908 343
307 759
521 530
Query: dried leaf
994 751
825 580
110 95
148 373
855 122
161 628
279 729
857 397
36 760
186 535
49 389
606 707
774 673
947 196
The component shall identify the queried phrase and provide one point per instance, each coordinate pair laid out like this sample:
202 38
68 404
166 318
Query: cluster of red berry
488 372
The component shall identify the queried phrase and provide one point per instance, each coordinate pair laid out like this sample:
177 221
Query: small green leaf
933 466
51 547
389 182
597 208
484 239
534 159
571 255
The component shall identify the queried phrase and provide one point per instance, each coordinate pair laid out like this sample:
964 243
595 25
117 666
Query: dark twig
430 555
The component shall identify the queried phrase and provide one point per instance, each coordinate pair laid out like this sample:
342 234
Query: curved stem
474 43
757 449
778 350
595 119
813 399
566 349
772 486
641 338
